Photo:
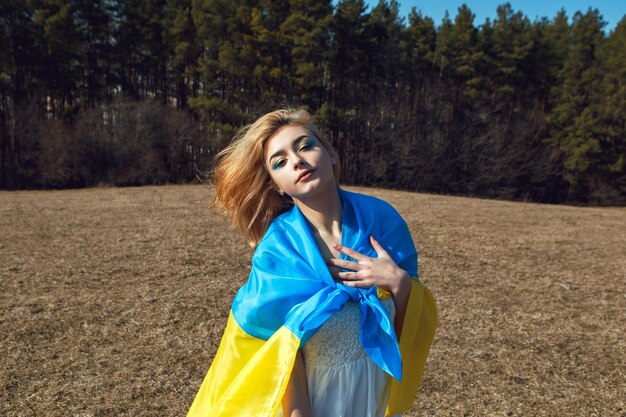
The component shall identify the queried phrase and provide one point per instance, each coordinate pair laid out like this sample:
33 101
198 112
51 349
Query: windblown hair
244 190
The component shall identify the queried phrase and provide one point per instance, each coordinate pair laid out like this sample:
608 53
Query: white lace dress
342 379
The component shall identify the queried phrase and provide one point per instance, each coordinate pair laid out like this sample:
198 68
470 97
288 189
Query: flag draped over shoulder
290 293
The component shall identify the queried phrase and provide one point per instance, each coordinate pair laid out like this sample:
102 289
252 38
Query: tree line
147 91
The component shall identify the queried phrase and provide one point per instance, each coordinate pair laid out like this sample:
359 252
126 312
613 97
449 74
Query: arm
296 399
400 296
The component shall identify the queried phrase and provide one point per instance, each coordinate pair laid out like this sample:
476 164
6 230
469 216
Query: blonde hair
244 190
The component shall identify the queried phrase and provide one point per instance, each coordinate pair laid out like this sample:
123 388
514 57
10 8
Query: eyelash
278 164
304 147
308 144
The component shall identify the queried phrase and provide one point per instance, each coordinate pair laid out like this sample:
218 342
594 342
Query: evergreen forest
134 92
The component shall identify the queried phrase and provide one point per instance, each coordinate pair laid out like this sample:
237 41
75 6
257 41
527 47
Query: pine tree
94 25
182 40
551 39
21 66
142 49
385 31
348 69
419 44
60 68
306 33
512 46
223 71
458 54
574 117
274 62
610 179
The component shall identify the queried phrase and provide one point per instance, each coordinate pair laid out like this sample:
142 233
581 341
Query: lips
304 175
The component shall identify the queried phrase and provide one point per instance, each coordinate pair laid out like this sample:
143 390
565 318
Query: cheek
325 156
275 178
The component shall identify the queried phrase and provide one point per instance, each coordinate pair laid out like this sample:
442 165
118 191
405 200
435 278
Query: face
298 163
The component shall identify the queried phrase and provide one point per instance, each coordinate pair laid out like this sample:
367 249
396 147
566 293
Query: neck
324 213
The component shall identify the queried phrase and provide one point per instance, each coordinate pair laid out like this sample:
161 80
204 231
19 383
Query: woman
333 320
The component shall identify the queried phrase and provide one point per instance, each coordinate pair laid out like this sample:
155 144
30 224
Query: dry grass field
113 302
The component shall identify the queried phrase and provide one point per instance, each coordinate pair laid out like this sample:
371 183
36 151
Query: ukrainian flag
290 294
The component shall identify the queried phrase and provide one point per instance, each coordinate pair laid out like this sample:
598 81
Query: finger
356 283
348 276
351 253
377 247
345 264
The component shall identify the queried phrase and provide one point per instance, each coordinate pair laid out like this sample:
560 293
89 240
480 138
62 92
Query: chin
318 189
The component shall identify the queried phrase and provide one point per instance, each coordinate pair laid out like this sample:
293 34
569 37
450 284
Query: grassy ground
113 302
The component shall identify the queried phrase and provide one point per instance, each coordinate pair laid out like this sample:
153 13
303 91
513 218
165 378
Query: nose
299 162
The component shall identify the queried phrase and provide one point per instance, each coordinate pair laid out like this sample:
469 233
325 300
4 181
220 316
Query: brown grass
113 302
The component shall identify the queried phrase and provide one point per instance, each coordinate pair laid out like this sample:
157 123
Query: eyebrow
298 139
